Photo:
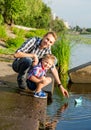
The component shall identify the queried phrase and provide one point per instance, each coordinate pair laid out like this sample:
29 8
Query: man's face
47 41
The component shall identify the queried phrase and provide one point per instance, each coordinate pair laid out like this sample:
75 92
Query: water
68 114
77 116
80 54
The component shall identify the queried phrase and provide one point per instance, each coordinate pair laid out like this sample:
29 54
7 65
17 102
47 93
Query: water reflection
80 88
67 114
51 124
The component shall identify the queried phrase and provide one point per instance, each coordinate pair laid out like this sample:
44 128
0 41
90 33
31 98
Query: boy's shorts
31 85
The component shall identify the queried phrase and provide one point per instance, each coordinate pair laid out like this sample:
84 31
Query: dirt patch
6 69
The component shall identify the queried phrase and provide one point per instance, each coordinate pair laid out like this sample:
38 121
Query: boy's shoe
40 94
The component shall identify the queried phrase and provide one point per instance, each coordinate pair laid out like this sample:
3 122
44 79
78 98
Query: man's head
48 39
48 61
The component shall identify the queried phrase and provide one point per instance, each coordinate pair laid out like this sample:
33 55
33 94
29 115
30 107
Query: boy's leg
38 92
46 81
21 66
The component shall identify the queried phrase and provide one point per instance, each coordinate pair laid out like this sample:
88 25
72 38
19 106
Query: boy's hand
64 91
35 60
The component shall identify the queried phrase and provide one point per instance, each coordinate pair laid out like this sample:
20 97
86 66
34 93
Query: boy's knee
50 79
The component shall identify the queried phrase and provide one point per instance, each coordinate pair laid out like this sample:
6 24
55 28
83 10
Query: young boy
37 76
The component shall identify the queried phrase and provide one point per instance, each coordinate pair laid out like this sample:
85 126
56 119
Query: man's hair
49 56
52 33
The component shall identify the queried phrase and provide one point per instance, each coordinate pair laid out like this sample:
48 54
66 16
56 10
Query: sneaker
40 94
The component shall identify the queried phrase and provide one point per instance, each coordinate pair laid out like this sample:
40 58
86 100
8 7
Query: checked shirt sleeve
34 72
27 45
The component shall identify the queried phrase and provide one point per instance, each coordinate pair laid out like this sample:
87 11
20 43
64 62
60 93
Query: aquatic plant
61 50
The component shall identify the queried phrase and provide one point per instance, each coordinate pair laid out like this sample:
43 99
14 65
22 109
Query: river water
80 54
68 114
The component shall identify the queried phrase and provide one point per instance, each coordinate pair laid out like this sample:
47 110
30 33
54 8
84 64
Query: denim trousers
21 66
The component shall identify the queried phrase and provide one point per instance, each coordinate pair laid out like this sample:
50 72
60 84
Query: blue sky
75 12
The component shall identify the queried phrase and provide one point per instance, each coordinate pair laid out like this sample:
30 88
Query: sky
75 12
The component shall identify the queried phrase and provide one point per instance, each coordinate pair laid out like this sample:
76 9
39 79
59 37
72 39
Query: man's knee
27 61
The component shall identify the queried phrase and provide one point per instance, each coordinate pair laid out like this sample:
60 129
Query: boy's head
48 61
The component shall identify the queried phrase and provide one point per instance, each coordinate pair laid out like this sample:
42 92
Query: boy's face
47 64
47 41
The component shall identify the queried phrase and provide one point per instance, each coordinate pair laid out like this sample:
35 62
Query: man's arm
23 54
56 76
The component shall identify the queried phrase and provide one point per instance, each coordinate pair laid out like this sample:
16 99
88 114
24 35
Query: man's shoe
40 94
21 82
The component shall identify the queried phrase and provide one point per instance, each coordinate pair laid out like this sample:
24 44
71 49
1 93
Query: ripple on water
76 117
71 116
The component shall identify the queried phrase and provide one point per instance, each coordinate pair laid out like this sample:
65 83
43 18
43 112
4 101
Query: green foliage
18 32
57 25
88 30
30 13
43 20
79 39
14 42
7 51
1 20
61 50
11 9
3 34
33 33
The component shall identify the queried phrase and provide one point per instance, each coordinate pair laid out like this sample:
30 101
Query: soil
6 68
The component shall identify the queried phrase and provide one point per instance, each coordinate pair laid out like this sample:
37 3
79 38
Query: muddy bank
18 110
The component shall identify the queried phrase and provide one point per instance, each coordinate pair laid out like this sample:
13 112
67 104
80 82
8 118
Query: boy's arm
56 76
36 79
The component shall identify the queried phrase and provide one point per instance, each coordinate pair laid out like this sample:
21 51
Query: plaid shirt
32 46
37 71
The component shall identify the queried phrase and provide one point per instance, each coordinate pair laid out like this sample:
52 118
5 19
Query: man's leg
21 66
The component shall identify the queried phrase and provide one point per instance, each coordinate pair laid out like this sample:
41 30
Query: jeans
21 66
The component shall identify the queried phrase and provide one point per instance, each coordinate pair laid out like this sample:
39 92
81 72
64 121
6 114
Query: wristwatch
59 85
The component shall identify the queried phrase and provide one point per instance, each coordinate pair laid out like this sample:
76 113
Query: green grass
79 38
3 34
61 50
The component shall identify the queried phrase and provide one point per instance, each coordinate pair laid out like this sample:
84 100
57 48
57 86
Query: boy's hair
49 56
52 33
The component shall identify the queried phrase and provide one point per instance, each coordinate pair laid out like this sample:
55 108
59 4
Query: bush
1 20
3 34
14 42
19 32
38 32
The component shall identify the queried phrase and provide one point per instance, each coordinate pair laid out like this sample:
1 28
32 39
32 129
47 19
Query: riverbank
18 110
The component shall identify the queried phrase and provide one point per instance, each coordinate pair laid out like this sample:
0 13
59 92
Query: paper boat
78 100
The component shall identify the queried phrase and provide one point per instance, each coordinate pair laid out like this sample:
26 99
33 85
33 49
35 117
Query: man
33 50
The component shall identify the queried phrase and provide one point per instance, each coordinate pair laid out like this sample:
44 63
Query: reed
61 50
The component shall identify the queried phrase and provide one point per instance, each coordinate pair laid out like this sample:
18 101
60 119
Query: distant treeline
30 13
81 30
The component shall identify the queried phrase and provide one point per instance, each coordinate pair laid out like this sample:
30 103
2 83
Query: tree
57 25
43 20
10 10
32 11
